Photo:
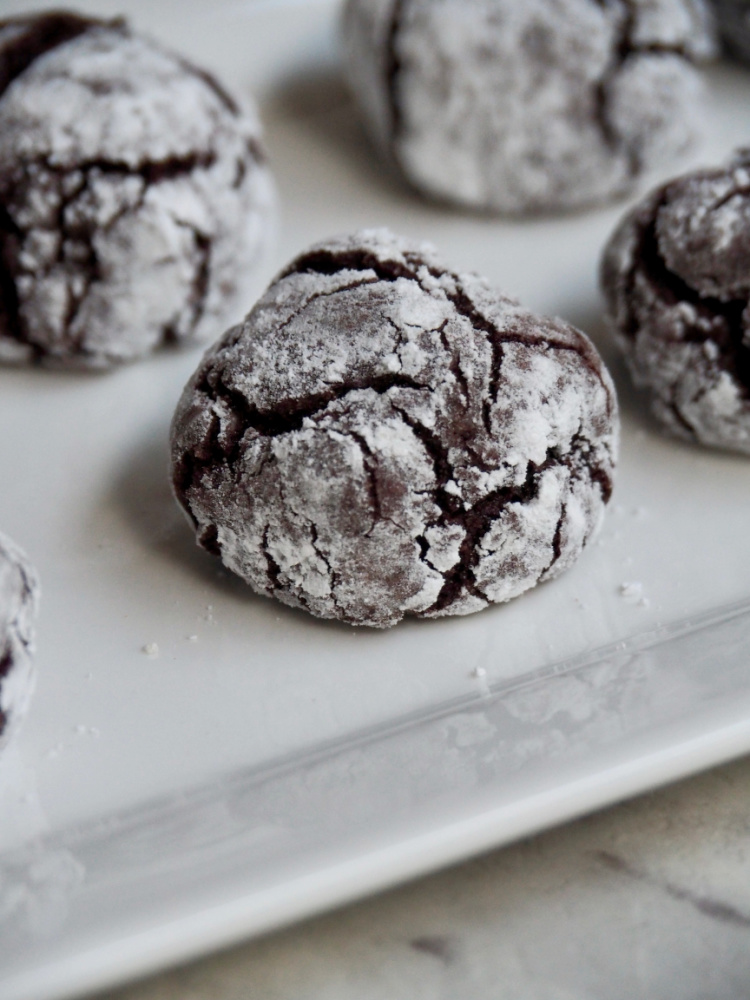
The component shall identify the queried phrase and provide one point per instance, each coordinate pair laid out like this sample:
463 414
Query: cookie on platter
134 195
518 107
676 278
384 437
19 601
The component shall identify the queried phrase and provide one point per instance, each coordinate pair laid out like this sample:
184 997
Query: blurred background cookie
523 107
133 194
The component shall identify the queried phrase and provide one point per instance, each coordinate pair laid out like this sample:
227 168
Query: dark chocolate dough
527 105
733 18
133 194
19 599
676 276
383 437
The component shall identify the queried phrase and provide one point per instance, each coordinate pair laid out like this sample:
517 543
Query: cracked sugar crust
522 107
382 437
19 600
676 277
134 195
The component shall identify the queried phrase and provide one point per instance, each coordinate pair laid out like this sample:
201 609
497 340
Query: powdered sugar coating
133 195
19 600
676 276
383 437
518 107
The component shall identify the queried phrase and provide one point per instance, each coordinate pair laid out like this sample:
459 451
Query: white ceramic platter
155 808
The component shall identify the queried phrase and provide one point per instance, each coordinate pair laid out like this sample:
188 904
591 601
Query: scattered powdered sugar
328 476
19 603
83 730
525 106
479 674
151 649
633 594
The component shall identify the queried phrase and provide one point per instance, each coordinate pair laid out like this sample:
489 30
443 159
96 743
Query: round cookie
19 600
134 195
733 19
676 277
525 106
383 437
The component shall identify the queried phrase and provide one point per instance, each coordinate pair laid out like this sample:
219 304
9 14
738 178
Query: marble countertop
648 899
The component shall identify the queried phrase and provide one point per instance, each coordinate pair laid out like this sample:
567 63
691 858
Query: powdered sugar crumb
633 594
479 674
82 730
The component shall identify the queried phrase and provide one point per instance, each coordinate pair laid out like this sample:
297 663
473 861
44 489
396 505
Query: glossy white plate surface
154 808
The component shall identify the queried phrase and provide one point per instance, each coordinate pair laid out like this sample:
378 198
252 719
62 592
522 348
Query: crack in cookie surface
328 262
76 227
19 599
404 474
93 205
527 107
23 40
674 275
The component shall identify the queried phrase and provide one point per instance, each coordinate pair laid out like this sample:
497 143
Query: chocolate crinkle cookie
676 276
733 19
527 105
133 194
19 599
382 437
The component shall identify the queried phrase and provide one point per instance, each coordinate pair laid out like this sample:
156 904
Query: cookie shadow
317 107
634 403
142 497
141 494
